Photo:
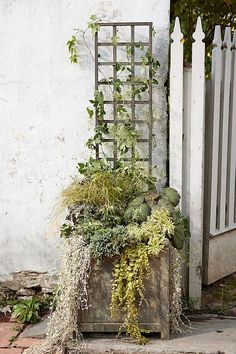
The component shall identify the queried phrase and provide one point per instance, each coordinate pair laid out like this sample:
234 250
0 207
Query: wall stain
61 139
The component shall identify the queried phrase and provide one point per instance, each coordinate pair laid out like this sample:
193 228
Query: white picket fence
188 157
222 112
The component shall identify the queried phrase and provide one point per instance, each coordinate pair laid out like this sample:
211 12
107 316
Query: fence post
176 109
197 164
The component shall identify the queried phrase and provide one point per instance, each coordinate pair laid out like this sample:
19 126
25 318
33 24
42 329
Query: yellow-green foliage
133 267
128 287
106 188
154 231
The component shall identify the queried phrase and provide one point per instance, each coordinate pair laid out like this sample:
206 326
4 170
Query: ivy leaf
81 167
140 46
121 109
114 39
124 148
93 18
117 85
119 67
93 24
90 112
72 45
128 51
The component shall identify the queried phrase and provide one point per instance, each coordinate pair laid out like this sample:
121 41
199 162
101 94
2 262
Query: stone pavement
209 335
11 342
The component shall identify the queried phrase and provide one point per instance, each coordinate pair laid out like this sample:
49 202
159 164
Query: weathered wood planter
154 315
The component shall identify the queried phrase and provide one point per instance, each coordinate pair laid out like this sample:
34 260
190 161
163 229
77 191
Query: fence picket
232 167
197 161
225 126
187 84
176 108
216 93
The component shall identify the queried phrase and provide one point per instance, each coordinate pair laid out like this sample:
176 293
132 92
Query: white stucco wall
43 122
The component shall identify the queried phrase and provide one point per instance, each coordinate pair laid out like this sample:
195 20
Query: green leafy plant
72 45
126 137
114 39
92 166
27 311
93 24
98 104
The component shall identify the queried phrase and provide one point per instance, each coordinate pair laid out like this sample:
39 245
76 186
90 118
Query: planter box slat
154 313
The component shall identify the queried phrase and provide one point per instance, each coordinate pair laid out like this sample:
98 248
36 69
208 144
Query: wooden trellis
133 103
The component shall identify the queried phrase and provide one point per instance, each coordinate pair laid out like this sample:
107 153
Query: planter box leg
164 295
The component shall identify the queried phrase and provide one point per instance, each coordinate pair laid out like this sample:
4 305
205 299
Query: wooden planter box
154 315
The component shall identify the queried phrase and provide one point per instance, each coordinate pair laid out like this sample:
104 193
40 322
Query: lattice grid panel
134 105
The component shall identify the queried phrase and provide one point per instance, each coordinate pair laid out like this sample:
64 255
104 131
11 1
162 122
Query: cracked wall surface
43 121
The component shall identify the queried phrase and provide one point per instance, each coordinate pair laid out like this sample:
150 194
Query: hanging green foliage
128 288
132 268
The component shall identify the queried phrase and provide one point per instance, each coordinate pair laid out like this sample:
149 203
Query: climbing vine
125 134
